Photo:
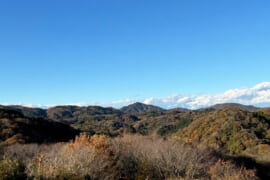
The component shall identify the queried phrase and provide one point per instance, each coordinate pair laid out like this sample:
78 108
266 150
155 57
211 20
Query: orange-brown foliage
226 170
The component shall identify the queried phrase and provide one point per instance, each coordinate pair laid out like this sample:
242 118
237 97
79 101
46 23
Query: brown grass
226 170
128 157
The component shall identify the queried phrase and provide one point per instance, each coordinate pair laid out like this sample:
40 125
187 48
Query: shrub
84 157
132 157
142 157
26 152
226 170
11 169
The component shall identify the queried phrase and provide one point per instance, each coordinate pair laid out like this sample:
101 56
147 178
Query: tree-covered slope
140 107
16 128
230 129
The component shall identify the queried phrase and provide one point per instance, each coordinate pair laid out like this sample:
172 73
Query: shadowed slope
16 128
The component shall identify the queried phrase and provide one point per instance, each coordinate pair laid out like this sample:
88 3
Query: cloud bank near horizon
259 95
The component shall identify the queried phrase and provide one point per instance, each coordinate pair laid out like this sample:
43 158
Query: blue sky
60 52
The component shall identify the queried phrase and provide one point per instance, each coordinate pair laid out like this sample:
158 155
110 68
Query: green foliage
171 129
11 169
140 108
234 145
229 129
262 116
146 120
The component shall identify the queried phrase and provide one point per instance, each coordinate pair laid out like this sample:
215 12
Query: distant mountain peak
237 105
139 107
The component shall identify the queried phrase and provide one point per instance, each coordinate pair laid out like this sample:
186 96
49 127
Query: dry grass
84 158
226 170
142 157
128 157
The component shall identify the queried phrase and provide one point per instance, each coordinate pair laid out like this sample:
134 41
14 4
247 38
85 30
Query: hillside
27 111
233 134
264 110
230 128
178 110
236 105
67 113
15 127
135 118
75 113
139 108
148 123
113 122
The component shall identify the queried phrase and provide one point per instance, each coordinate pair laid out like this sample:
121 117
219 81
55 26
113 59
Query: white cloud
117 104
258 95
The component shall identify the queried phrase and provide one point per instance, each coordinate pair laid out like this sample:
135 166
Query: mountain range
68 111
135 118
